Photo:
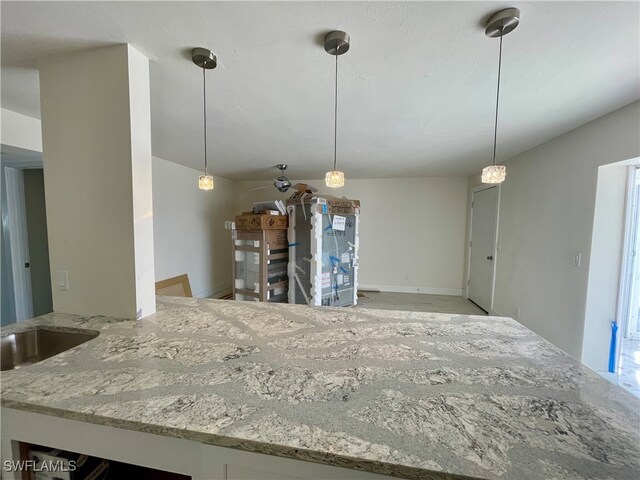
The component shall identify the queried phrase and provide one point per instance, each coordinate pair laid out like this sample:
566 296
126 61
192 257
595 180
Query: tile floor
418 302
629 377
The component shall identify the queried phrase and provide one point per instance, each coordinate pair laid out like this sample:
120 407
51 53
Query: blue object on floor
612 347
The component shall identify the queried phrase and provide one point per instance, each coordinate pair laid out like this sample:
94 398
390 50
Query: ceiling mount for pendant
502 22
336 42
204 58
498 25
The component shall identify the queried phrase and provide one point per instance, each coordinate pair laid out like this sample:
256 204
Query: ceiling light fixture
206 60
501 23
336 43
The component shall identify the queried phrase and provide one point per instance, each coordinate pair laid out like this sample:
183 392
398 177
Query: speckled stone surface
415 395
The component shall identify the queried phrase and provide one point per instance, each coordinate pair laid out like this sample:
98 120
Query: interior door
36 212
484 211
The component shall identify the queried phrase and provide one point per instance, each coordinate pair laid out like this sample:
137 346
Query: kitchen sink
33 345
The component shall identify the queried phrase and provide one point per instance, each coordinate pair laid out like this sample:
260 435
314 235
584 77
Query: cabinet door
237 472
274 468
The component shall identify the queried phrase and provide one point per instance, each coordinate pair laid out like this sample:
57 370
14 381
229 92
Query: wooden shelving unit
260 260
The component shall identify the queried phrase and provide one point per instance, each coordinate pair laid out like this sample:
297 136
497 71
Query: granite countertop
415 395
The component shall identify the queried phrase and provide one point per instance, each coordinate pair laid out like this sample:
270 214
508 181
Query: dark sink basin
33 345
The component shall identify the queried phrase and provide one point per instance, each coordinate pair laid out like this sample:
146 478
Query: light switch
63 280
576 259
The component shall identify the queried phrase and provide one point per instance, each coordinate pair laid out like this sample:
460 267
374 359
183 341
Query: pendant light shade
494 174
499 25
205 182
206 60
336 43
334 179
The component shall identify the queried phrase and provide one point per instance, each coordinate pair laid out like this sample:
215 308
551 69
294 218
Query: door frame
479 188
16 218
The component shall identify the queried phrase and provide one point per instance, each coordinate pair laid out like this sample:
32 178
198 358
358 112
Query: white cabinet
200 461
239 472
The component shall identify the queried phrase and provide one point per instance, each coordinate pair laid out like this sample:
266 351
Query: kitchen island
403 394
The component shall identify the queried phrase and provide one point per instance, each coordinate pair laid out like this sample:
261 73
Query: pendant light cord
204 95
335 118
495 130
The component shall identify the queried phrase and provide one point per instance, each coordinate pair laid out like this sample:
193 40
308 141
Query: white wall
546 214
606 260
97 156
412 229
20 130
189 234
141 180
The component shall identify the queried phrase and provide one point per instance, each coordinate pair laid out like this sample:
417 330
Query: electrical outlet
518 312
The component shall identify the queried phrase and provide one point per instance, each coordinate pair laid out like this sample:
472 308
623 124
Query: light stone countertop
415 395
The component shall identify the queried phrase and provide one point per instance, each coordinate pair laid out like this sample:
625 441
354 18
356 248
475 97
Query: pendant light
336 43
206 60
501 23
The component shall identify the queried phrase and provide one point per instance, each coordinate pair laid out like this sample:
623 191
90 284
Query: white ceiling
417 88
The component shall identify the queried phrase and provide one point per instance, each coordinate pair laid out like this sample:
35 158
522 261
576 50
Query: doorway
482 245
629 297
26 279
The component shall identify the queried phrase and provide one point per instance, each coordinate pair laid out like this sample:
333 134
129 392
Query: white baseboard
456 292
221 289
